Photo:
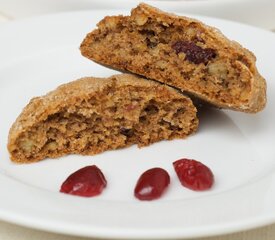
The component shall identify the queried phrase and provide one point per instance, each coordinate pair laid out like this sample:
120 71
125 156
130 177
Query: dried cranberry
152 184
193 174
193 52
130 107
86 182
151 109
126 132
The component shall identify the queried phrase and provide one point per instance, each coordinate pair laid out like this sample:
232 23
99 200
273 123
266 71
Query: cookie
180 52
92 115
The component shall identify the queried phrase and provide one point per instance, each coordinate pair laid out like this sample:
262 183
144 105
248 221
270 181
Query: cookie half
92 115
180 52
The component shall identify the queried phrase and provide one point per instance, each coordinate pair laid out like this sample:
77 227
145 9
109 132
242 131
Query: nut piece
141 20
218 69
27 145
52 146
110 22
182 55
161 64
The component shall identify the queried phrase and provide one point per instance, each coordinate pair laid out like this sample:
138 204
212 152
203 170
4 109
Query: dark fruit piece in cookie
92 115
180 52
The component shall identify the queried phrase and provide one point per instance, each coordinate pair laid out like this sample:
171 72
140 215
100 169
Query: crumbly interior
110 119
176 54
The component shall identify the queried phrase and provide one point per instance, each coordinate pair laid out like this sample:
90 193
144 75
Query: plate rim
257 222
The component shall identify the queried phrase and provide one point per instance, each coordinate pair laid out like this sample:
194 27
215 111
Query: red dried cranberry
152 184
193 174
86 182
194 53
130 107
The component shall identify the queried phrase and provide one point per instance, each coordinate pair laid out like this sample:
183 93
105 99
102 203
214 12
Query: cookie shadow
214 119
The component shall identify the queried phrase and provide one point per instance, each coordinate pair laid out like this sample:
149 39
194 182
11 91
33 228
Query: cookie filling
114 117
176 51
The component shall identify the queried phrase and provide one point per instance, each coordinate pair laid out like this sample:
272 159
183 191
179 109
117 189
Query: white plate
39 54
226 9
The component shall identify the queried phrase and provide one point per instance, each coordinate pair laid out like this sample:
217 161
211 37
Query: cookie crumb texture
181 52
92 115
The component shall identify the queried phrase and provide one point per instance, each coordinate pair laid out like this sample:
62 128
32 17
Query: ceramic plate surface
39 54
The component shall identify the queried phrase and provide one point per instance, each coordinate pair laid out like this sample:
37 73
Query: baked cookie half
181 52
92 115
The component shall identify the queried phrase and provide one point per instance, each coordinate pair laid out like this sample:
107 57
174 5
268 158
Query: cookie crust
144 43
92 115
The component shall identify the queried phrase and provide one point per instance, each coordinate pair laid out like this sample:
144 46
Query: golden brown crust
250 97
64 120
